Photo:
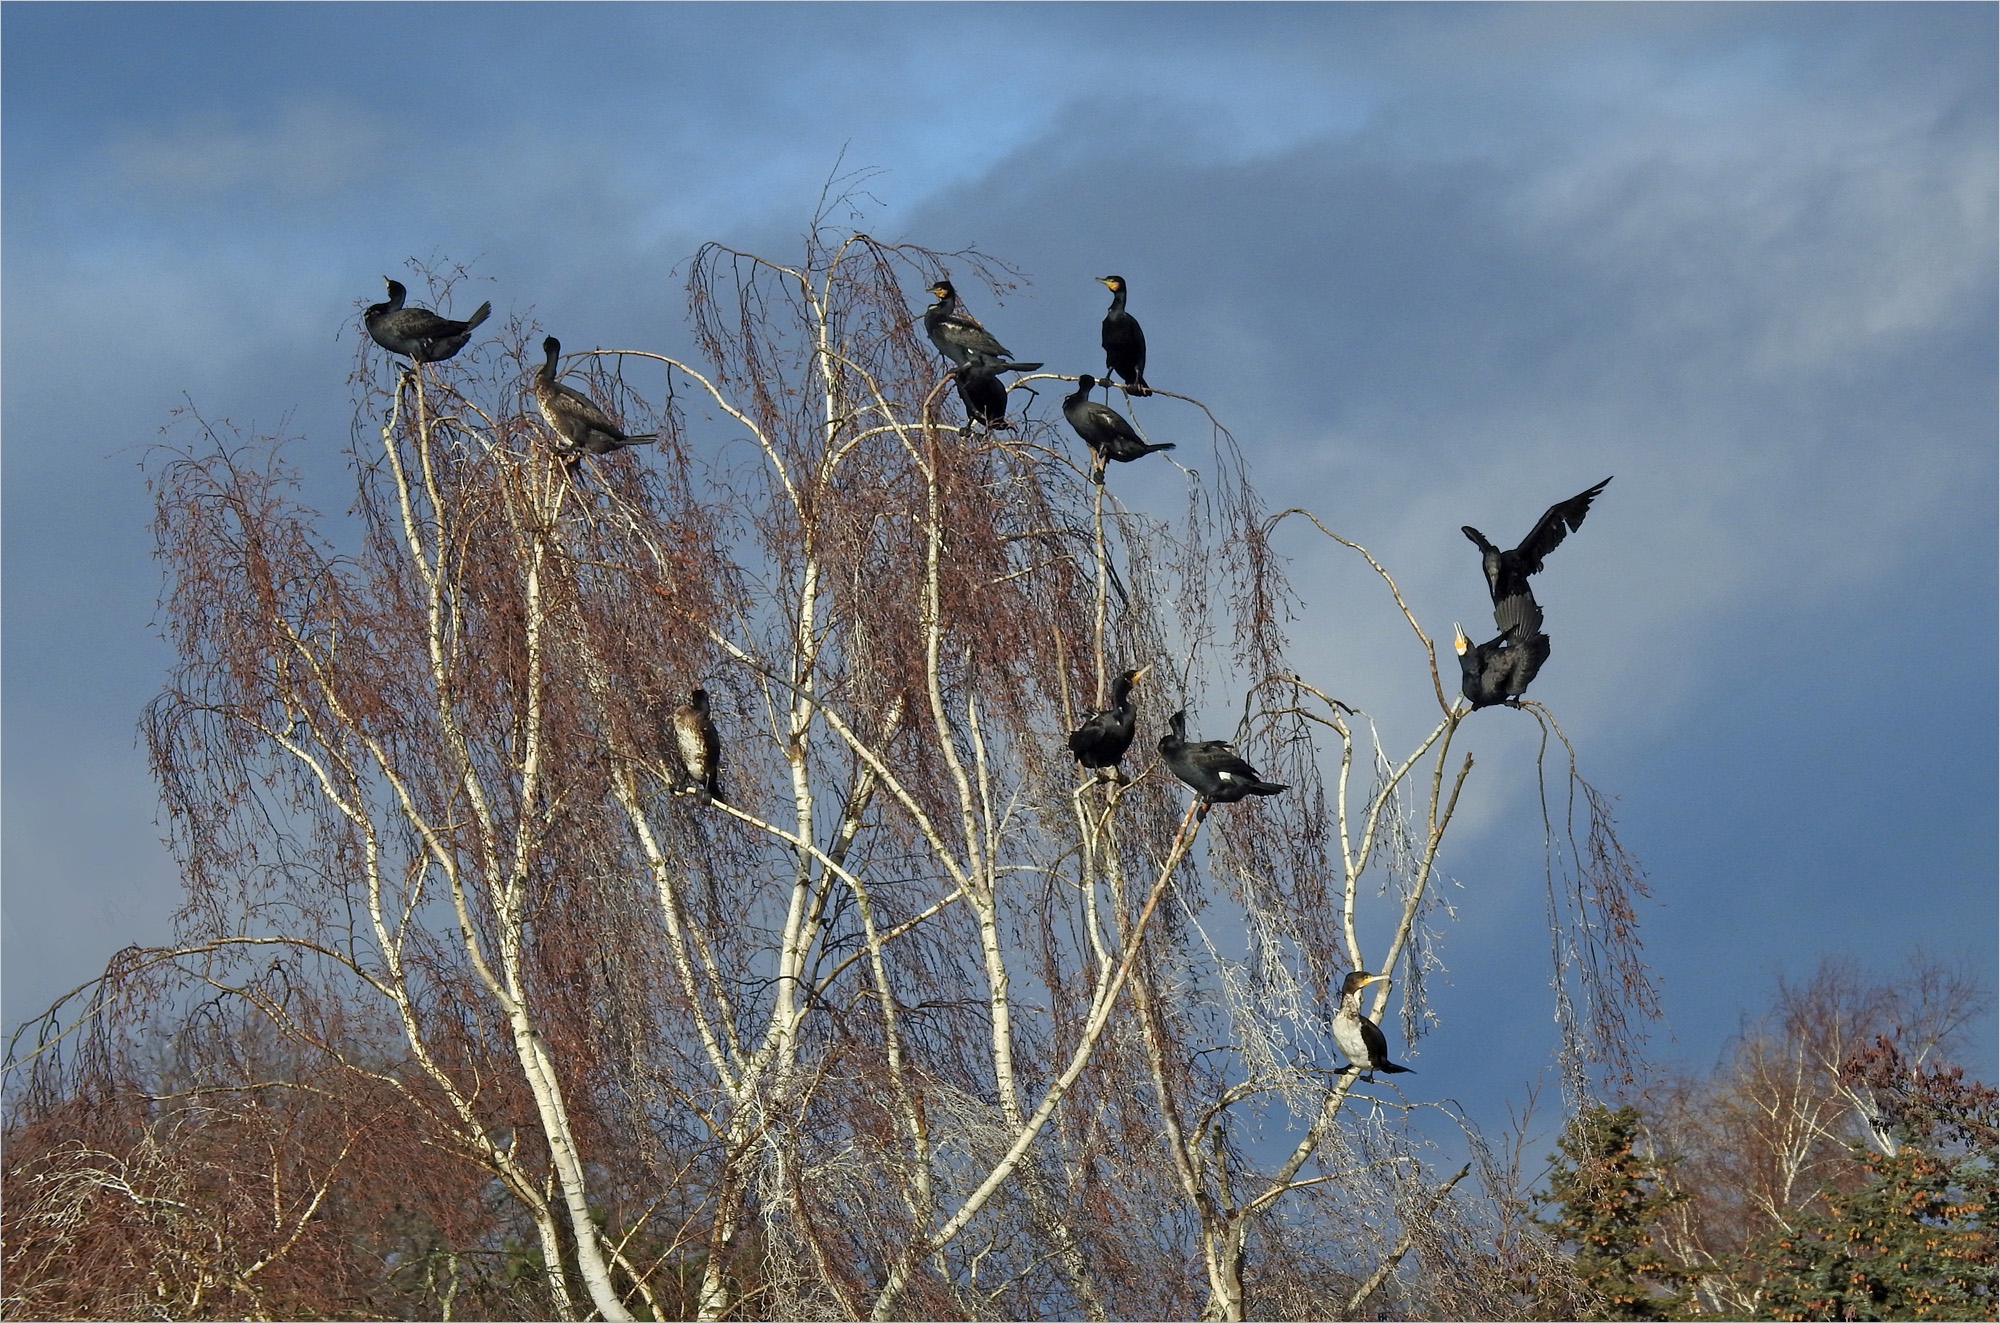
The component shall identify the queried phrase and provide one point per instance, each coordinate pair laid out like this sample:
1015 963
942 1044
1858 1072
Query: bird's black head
1358 979
1112 283
1121 690
551 346
1459 642
698 700
944 290
1086 383
396 290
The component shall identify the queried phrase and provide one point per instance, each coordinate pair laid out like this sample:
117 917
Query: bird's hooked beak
1459 641
1375 978
1107 282
1140 674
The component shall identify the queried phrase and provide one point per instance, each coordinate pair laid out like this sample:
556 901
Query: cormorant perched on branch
699 746
1104 736
1210 768
1500 671
418 333
574 416
1124 342
1103 429
960 337
1507 571
1357 1036
983 394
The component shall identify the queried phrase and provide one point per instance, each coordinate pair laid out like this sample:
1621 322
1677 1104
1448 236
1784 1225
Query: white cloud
1796 243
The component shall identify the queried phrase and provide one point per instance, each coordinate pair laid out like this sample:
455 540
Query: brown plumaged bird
700 747
574 416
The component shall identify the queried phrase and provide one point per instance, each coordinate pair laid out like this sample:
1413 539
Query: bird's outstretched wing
1560 520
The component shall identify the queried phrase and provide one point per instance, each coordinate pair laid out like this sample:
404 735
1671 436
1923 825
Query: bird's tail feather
1391 1068
485 311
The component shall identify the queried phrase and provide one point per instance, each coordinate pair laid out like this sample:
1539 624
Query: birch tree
912 1019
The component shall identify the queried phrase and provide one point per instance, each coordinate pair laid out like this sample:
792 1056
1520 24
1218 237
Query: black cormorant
983 394
1124 342
418 333
1210 768
1103 429
1507 571
1104 736
1501 670
962 339
700 747
574 416
1357 1035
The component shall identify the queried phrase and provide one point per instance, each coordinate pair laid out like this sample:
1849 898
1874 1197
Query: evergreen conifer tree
1608 1199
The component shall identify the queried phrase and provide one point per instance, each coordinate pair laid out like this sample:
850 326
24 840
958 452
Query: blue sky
1433 265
